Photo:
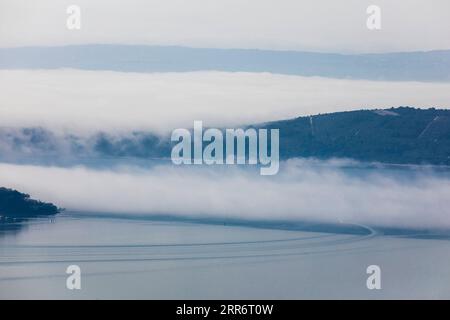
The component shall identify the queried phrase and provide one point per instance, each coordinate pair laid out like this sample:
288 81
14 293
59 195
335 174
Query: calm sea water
149 259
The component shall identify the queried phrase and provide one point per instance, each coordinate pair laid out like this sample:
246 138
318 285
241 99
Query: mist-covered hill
398 135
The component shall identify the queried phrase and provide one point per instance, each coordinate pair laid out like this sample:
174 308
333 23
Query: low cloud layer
302 190
114 101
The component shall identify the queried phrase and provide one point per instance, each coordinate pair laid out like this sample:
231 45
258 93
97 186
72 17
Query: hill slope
397 135
17 204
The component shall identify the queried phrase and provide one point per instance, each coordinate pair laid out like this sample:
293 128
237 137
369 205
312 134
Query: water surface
153 259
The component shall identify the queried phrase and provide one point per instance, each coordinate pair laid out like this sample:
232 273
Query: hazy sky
321 25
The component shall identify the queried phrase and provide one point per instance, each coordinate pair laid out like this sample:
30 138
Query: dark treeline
16 204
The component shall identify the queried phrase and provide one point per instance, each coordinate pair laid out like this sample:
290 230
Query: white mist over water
82 102
303 190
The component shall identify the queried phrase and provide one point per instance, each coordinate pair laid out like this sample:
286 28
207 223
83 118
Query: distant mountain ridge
397 135
402 66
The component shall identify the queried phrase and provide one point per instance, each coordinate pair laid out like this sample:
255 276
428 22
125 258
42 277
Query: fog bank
302 190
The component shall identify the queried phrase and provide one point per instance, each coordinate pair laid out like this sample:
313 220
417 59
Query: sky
320 25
